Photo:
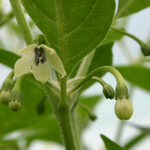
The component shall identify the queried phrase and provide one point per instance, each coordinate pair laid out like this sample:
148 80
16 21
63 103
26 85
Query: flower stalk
107 89
144 47
104 69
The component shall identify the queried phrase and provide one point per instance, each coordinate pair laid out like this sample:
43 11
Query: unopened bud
108 92
92 116
145 49
124 109
15 99
4 96
15 105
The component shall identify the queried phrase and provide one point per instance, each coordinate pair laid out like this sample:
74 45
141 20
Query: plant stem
115 72
76 133
63 90
85 64
65 123
21 21
128 34
102 82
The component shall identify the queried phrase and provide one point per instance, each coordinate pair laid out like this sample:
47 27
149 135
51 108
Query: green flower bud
15 99
6 88
108 91
92 116
124 109
4 96
15 105
145 49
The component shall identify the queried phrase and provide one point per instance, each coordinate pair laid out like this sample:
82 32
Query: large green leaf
8 58
137 75
28 117
102 57
72 27
112 36
110 145
129 7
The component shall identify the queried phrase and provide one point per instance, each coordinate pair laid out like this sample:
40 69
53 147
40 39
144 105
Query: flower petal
41 72
27 50
23 65
54 60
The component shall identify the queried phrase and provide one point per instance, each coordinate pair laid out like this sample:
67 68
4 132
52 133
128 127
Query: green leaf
102 57
8 58
9 145
110 145
81 115
28 117
112 36
135 140
137 75
73 28
129 7
46 129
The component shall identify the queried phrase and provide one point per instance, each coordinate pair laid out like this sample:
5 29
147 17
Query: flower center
40 55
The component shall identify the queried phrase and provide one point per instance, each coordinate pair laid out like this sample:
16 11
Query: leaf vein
78 27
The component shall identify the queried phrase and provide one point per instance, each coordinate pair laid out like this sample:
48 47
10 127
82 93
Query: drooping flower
124 109
38 58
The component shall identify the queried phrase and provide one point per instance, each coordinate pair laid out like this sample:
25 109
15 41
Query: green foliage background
73 33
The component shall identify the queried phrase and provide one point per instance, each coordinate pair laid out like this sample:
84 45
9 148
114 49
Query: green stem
91 115
76 133
85 64
115 72
64 90
10 75
6 18
102 82
65 123
21 21
18 83
53 95
128 34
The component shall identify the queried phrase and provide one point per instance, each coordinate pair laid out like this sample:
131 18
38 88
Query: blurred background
125 51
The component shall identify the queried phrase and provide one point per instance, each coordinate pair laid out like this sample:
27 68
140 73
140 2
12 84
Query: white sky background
107 122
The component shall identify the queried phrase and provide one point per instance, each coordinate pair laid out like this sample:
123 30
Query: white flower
38 58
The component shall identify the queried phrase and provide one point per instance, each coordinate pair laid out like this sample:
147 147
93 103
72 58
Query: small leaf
129 7
110 145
